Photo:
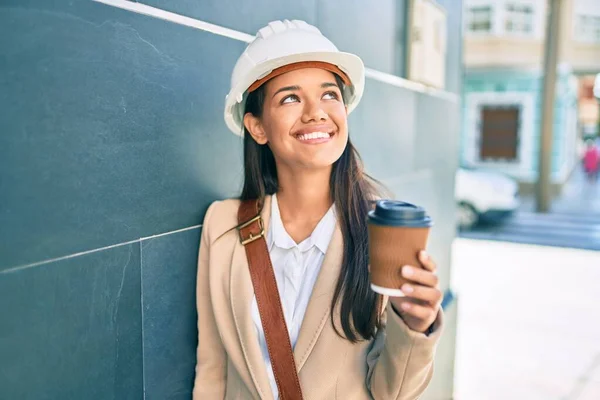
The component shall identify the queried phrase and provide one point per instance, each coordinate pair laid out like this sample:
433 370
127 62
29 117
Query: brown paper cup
390 248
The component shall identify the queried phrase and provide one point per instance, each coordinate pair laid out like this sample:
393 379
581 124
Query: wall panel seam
86 252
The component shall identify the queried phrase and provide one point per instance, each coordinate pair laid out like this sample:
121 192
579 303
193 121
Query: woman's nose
313 112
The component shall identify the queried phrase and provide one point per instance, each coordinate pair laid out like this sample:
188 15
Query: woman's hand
423 297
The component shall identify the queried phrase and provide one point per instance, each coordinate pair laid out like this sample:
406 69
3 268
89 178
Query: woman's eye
290 99
331 96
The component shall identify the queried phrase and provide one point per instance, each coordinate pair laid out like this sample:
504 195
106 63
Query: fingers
427 261
423 299
425 294
420 276
423 313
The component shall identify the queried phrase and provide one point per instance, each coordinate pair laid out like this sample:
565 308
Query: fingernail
406 306
424 255
407 288
407 271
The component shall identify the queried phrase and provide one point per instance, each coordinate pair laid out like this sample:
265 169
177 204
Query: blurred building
503 55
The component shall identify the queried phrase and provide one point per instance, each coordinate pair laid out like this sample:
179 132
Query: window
499 133
519 18
512 18
479 19
587 28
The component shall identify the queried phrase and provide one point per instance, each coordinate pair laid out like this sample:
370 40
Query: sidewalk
528 322
578 196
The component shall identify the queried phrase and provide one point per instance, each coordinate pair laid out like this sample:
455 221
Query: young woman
591 160
291 93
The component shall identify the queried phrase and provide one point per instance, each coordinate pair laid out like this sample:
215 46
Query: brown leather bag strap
252 235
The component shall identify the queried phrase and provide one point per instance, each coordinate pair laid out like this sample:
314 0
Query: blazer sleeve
400 360
211 362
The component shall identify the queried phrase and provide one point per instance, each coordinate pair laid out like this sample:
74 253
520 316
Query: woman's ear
254 126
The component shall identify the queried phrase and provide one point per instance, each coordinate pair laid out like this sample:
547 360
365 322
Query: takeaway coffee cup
397 232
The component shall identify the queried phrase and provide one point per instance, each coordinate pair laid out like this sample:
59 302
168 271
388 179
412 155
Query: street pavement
528 322
574 219
555 229
578 196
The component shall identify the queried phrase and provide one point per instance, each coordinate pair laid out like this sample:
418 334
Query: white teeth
314 135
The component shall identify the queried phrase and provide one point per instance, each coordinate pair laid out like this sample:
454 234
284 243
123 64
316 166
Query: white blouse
296 268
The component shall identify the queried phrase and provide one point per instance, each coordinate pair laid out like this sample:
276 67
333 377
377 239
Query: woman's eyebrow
286 89
296 87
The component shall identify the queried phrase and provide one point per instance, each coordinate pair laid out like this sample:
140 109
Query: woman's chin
318 163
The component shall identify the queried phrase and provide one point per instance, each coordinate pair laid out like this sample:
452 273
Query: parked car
484 196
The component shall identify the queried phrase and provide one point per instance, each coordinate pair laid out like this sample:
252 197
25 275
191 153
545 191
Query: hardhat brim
349 63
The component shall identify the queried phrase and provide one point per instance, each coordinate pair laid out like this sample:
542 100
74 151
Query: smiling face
304 119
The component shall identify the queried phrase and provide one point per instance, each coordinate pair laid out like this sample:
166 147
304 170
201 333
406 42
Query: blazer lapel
241 296
319 305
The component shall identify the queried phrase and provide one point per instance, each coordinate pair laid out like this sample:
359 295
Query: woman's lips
315 134
315 137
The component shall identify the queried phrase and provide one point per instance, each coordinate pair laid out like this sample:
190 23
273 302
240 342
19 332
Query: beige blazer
397 364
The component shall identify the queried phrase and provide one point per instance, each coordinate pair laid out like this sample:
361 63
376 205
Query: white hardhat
291 45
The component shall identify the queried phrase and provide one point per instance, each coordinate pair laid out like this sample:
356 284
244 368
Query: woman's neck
304 198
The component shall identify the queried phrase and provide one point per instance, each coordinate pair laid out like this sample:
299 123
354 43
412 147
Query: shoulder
220 218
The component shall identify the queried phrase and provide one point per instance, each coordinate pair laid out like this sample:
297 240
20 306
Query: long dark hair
352 192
